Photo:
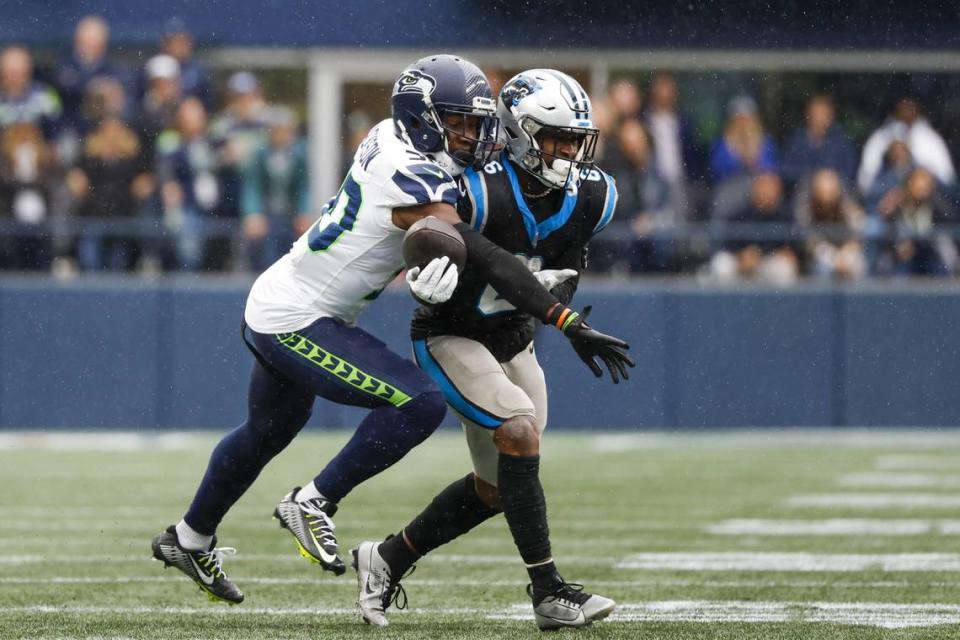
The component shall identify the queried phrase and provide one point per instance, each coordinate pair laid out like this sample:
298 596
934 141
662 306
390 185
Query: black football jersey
545 233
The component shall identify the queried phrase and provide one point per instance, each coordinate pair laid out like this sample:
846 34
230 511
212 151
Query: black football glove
591 344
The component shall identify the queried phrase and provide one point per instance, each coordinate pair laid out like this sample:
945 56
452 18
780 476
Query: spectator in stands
237 133
178 43
644 202
832 221
111 180
918 248
187 177
744 147
24 100
770 258
624 101
161 101
28 187
674 144
358 126
86 63
820 144
104 98
241 128
276 194
881 199
885 193
927 147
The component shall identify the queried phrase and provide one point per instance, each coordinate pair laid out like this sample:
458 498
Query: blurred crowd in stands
151 168
143 168
747 208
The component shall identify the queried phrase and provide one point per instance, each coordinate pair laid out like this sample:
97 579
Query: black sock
545 580
398 555
453 512
524 506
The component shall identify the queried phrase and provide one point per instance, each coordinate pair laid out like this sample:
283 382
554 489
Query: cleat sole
306 554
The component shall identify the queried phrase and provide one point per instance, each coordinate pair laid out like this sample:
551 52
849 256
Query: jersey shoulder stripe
477 192
609 204
426 183
402 176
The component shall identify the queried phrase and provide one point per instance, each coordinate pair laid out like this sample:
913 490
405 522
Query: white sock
190 539
309 492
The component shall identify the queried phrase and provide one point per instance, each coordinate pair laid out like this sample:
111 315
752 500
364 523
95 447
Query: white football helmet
543 103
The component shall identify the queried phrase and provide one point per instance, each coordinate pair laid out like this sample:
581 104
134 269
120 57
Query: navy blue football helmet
442 97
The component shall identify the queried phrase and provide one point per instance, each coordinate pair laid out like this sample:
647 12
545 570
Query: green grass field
834 539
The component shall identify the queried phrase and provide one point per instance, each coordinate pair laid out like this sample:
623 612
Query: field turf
834 537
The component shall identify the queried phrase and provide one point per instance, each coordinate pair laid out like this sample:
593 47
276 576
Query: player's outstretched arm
520 287
506 274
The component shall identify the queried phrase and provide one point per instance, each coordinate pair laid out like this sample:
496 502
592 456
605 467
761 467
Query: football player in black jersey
542 200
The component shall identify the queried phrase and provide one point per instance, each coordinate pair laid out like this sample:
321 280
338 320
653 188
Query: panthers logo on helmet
414 81
517 90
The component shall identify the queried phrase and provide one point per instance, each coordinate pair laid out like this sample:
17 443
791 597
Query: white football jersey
353 251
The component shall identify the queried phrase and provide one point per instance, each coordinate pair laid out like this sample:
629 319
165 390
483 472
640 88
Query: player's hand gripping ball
435 254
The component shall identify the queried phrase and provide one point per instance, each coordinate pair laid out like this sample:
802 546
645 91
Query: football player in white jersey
300 320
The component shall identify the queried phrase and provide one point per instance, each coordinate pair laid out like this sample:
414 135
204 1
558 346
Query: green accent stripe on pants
339 367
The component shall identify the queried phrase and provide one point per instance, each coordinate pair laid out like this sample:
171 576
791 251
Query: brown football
430 238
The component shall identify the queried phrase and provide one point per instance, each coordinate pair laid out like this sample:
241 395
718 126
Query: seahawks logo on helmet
414 81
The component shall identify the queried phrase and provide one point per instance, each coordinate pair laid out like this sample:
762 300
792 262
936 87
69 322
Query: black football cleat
203 567
311 525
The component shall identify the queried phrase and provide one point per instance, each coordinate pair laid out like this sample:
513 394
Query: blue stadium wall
128 354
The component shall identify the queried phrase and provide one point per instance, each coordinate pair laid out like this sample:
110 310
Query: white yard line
21 559
93 441
110 538
779 438
805 562
685 561
876 500
917 462
460 582
886 480
885 615
831 527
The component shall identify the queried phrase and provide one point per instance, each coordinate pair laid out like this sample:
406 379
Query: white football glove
550 278
435 283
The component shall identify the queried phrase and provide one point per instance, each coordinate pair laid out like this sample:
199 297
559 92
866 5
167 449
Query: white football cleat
570 606
376 588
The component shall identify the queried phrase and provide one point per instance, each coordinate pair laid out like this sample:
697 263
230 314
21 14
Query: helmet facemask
544 159
470 133
442 107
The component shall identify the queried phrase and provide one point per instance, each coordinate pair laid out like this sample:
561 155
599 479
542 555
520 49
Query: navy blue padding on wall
75 358
903 359
121 354
577 397
751 359
206 365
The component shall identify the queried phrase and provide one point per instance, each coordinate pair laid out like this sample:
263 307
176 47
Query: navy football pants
342 364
